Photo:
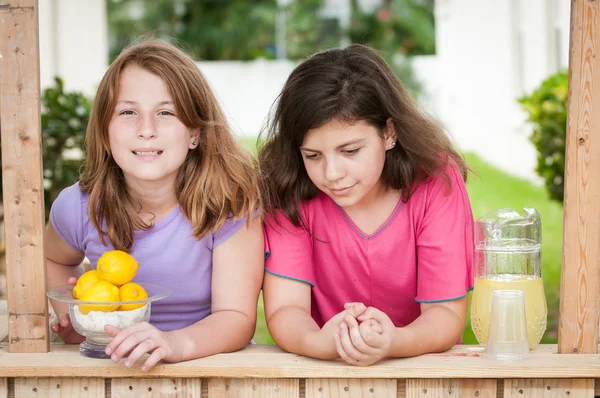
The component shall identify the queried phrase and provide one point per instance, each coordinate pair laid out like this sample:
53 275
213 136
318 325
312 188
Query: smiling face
147 140
345 161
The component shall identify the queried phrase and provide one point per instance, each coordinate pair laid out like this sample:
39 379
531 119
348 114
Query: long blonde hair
217 179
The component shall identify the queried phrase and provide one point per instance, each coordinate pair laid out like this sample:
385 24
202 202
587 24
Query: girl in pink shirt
369 228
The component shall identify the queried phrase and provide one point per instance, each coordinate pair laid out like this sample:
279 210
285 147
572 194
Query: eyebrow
359 140
137 103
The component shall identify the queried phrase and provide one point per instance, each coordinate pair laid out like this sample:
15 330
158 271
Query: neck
155 199
377 196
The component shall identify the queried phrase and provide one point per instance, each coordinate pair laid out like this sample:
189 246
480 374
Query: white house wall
73 43
490 53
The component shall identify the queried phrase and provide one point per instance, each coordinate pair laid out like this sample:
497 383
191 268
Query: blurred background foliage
64 120
546 108
251 29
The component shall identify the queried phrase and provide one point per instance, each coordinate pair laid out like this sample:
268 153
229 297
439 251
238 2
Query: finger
123 334
72 280
347 345
376 326
355 336
373 313
64 320
144 347
135 337
156 356
340 350
354 309
372 338
111 330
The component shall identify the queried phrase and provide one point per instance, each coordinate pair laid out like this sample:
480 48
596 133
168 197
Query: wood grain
22 177
580 283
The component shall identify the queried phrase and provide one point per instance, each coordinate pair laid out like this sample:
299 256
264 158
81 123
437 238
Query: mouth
147 153
339 191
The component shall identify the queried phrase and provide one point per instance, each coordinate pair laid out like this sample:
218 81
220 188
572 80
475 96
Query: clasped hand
364 335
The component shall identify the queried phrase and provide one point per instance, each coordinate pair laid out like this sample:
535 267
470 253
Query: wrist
317 344
401 339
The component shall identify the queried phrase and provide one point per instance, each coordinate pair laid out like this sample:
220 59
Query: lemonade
535 304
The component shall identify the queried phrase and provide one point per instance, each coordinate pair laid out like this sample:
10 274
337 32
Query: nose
146 128
333 170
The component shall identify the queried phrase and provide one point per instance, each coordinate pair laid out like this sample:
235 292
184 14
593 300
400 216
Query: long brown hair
347 85
217 179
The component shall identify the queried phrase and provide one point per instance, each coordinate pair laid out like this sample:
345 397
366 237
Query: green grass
491 189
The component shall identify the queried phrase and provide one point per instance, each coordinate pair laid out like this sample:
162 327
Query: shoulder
71 195
311 211
444 182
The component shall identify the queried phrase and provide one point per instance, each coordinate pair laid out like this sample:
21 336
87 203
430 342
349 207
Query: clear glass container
508 257
91 324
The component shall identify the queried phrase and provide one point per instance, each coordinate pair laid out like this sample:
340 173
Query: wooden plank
580 283
3 388
351 388
59 387
246 388
22 176
269 362
450 388
134 388
549 388
431 388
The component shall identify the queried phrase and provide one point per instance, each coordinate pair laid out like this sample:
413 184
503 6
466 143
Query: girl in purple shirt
165 180
369 228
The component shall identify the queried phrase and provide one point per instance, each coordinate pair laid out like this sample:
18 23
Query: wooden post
22 176
580 282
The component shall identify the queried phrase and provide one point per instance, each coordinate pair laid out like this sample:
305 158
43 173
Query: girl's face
345 161
147 140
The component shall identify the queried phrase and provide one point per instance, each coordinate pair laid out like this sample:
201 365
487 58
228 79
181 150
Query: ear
194 138
389 134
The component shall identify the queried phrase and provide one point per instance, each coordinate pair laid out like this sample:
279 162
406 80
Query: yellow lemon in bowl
117 267
102 292
131 292
84 282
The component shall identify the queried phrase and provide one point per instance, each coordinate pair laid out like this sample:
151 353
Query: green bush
547 110
64 120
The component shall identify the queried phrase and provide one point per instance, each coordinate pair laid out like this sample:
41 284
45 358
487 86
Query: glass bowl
91 325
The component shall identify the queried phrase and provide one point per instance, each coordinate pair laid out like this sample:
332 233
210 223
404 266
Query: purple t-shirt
168 254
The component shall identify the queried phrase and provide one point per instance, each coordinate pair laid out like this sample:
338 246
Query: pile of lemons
110 282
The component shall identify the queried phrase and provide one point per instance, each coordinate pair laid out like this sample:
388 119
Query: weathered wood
22 176
450 388
580 283
247 388
168 387
269 362
59 387
548 388
351 388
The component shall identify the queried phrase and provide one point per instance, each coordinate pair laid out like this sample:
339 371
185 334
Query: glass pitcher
508 257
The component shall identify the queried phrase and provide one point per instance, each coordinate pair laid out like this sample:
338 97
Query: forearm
424 334
56 275
223 331
294 330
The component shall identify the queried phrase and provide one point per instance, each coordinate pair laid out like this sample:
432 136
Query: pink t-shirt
423 253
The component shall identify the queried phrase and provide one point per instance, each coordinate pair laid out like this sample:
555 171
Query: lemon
84 282
131 292
117 267
101 292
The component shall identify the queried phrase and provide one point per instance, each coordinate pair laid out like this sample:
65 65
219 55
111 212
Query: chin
346 201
